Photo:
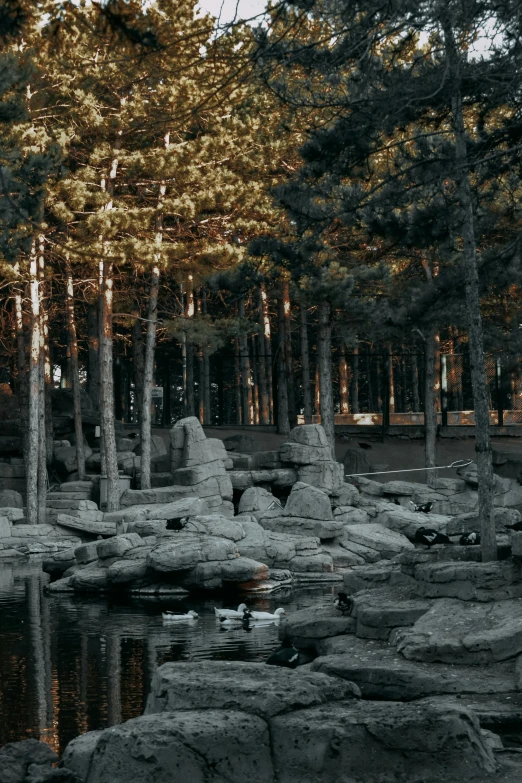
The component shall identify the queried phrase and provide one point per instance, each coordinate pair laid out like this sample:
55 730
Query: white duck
171 617
267 616
237 614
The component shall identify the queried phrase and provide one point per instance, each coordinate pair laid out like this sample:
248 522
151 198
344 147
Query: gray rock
178 509
464 523
376 536
323 529
379 610
216 525
260 690
12 514
10 498
187 550
209 450
381 673
347 495
158 447
5 528
264 459
65 457
369 487
328 476
369 576
377 742
351 516
16 758
308 502
90 579
93 527
408 522
133 497
493 581
299 454
257 499
117 546
123 571
399 488
309 435
86 553
516 544
342 557
461 632
316 622
204 745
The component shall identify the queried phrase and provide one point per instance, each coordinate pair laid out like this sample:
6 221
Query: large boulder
469 581
382 673
257 499
387 543
242 442
378 611
216 525
158 448
464 523
201 746
328 476
178 509
461 632
323 529
315 622
118 545
257 689
408 522
355 461
377 742
187 550
308 502
10 498
19 760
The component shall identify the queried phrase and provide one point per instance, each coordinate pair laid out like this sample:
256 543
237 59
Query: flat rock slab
408 522
133 497
252 687
462 632
86 525
378 611
187 550
375 536
378 742
308 502
464 523
178 509
369 576
316 622
323 529
381 673
494 581
204 746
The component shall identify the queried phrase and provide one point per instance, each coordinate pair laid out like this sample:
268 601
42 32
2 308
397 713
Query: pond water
70 664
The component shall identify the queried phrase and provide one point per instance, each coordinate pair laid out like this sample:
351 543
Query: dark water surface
71 664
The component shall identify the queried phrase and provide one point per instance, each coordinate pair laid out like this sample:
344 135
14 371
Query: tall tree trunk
264 403
73 350
324 350
42 440
430 407
93 366
206 368
317 387
391 380
415 381
343 379
255 381
246 381
107 392
47 370
237 381
21 362
283 421
267 334
189 392
33 394
138 360
289 361
476 343
148 378
305 365
354 381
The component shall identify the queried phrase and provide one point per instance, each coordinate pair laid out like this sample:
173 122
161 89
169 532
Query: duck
469 539
429 537
243 619
267 616
286 655
237 613
179 616
343 602
423 508
517 526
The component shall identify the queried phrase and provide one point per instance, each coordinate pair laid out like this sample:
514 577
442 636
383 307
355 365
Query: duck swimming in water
237 613
172 617
244 620
267 616
429 537
286 656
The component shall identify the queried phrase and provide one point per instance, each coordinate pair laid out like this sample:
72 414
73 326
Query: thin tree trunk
190 407
107 392
42 440
206 368
138 360
148 378
237 381
21 362
391 383
267 334
430 408
201 385
415 382
354 381
485 475
343 379
47 371
93 367
324 350
289 362
246 382
33 395
73 349
283 421
255 381
317 387
264 403
305 366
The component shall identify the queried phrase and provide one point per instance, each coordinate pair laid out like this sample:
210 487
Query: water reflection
71 664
